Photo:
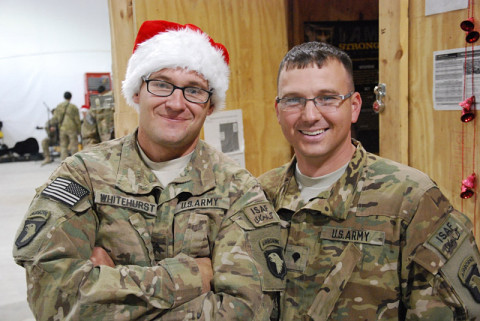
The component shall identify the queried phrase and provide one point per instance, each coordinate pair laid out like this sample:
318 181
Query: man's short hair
314 53
67 95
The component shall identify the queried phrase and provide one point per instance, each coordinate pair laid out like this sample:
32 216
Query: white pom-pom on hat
163 44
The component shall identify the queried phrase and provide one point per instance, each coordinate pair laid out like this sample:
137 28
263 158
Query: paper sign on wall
224 131
449 81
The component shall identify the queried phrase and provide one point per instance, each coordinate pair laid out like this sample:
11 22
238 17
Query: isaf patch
274 256
65 191
33 224
448 237
260 214
470 277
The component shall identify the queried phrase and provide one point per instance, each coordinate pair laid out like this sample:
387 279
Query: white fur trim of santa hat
170 45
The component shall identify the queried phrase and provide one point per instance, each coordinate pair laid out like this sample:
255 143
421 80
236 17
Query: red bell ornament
467 25
472 36
468 110
468 186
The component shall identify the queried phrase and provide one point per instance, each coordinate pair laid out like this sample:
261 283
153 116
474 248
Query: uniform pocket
196 242
328 295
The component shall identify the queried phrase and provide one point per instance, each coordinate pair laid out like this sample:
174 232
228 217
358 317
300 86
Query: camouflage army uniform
382 244
51 139
98 123
214 209
68 119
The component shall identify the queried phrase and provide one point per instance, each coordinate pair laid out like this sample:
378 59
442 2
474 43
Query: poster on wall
449 79
359 39
224 131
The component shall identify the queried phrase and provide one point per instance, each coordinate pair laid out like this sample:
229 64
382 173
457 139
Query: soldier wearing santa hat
156 224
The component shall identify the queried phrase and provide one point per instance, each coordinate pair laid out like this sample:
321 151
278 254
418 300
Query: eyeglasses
324 103
163 88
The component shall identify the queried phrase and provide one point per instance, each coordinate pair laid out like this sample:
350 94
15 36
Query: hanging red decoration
468 105
467 25
468 186
468 109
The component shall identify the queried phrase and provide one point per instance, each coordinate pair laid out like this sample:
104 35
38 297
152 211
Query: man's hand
101 257
206 272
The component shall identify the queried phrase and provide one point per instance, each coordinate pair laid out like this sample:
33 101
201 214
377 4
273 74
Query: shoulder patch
470 277
65 191
448 237
261 214
34 222
275 261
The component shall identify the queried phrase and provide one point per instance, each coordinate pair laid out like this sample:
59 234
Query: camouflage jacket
108 197
382 244
67 117
98 125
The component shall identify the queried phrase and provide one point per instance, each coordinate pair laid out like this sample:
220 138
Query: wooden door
411 130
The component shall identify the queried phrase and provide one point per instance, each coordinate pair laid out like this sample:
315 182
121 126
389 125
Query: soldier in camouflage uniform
367 238
156 225
67 117
51 128
98 123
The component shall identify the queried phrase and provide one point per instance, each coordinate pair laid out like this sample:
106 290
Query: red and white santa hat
163 44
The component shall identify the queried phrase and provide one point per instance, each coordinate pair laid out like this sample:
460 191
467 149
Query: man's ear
136 98
211 108
356 104
276 110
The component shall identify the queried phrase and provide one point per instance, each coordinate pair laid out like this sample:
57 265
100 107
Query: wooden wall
254 33
435 137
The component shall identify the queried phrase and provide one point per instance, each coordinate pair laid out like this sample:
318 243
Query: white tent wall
47 47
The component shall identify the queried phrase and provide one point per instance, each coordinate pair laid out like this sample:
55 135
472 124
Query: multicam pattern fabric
382 244
107 197
98 125
68 119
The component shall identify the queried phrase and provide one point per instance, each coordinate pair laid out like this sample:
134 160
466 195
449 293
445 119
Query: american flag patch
65 191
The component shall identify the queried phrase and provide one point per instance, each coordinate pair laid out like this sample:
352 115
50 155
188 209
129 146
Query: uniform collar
334 202
135 177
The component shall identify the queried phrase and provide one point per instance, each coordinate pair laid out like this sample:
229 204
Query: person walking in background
98 125
367 238
67 117
156 225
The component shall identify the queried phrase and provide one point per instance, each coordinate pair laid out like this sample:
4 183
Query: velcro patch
65 191
296 257
34 222
470 277
261 214
202 202
269 241
371 237
127 202
448 237
275 262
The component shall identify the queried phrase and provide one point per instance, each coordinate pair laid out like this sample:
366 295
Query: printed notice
452 76
440 6
224 131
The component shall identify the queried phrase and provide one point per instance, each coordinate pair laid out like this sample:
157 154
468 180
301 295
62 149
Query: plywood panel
123 32
255 34
435 137
393 71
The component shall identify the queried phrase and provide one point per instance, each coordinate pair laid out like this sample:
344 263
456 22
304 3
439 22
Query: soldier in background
368 238
156 225
51 128
97 125
67 117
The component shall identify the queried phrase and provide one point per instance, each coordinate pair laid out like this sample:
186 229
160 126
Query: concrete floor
18 181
